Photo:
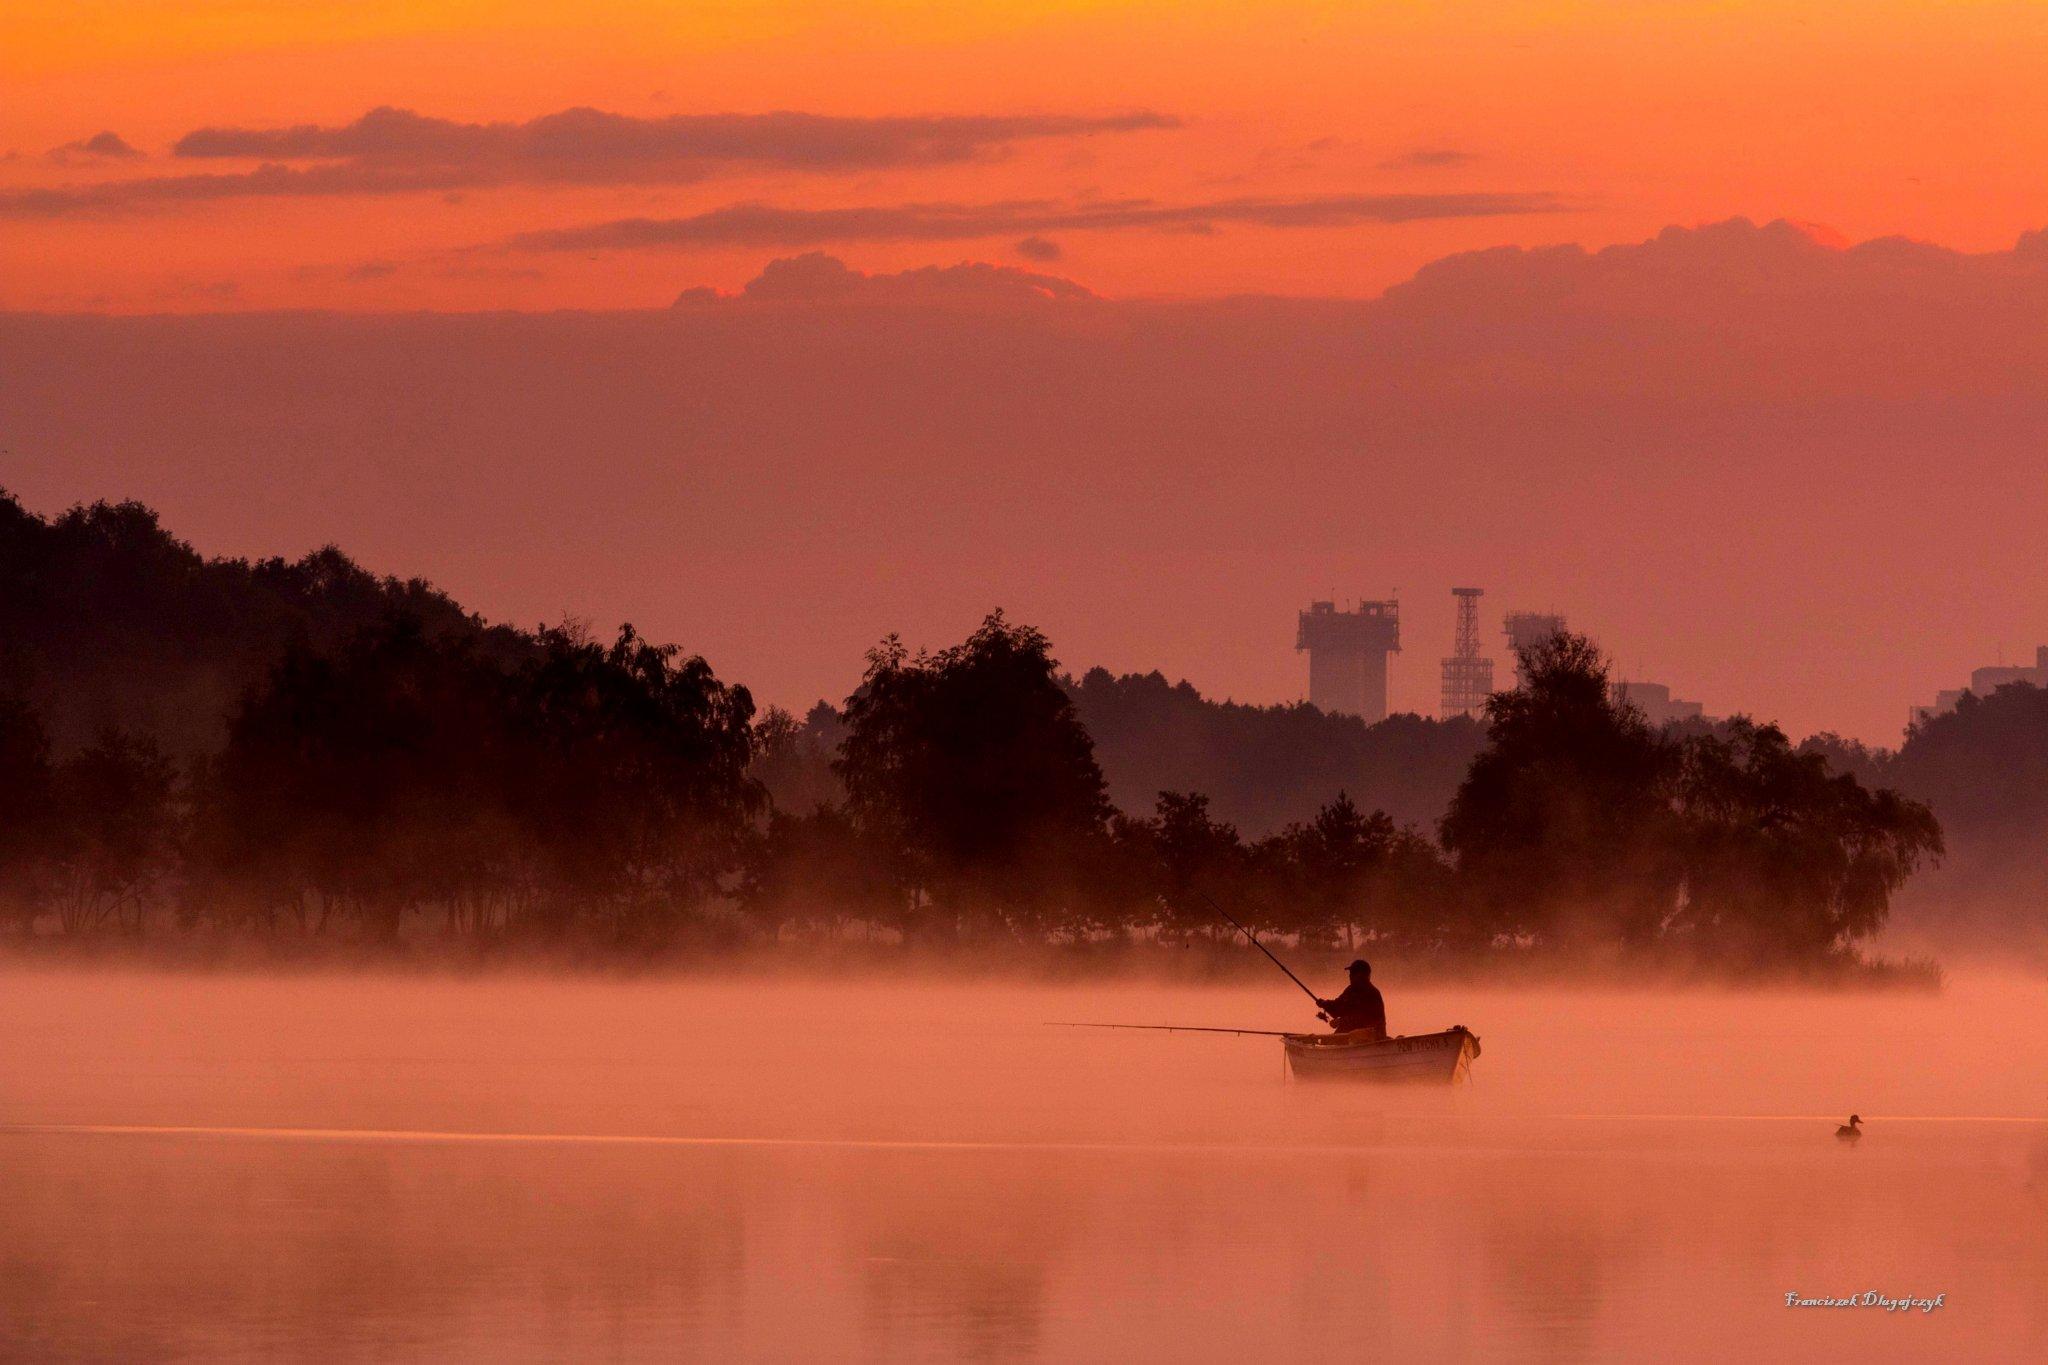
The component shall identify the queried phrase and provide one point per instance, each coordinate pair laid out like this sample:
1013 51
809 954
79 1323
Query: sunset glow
1072 680
1511 123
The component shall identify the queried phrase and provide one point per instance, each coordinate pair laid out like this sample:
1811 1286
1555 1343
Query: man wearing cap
1360 1006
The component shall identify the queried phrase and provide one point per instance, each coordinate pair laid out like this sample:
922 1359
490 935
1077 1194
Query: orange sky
1691 445
1618 118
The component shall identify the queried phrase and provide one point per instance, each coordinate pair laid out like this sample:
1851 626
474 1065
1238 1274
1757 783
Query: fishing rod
1177 1028
1261 947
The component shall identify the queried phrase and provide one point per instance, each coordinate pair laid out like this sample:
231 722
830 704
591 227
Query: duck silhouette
1851 1130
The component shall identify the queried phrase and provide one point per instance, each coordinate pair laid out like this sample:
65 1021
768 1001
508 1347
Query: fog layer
242 1167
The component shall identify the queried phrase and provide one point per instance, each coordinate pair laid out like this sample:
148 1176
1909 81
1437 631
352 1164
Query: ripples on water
380 1168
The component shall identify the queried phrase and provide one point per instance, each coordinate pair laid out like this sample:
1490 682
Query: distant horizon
976 278
799 705
777 327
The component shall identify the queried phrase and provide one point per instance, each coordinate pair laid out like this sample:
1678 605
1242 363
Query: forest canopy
306 751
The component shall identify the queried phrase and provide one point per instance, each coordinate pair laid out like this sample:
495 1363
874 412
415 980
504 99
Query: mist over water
394 1167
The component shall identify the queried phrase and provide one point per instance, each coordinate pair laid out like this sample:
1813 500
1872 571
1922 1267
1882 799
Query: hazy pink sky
1782 476
1779 473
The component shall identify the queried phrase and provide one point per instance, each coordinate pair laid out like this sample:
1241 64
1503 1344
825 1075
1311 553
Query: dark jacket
1359 1007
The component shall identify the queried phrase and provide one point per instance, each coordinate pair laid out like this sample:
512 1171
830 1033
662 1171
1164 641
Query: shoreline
1202 963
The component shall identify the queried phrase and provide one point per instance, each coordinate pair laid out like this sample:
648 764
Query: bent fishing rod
1262 948
1197 1028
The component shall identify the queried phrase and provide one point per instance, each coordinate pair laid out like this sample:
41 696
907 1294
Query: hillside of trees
108 620
1262 768
1266 767
386 769
1984 769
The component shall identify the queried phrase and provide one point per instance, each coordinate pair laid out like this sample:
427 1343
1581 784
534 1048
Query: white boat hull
1431 1058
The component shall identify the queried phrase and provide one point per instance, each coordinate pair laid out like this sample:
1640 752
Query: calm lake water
381 1168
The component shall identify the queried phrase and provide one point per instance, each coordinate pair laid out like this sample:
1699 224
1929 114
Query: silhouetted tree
600 783
1784 857
1348 876
1333 860
1868 765
793 758
359 783
1564 825
24 807
1983 769
1580 821
120 624
634 787
1265 767
1984 765
113 848
1170 865
1416 900
816 871
388 756
970 768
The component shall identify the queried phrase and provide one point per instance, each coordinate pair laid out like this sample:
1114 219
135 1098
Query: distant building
1347 656
1468 677
1985 681
1657 704
1526 630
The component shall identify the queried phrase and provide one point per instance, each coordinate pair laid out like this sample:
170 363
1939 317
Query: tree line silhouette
390 767
1265 767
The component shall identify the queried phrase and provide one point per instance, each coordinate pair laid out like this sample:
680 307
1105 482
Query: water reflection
953 1254
912 1198
1550 1268
118 1247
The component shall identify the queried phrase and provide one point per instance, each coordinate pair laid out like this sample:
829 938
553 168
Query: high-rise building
1985 681
1657 704
1468 678
1526 630
1347 656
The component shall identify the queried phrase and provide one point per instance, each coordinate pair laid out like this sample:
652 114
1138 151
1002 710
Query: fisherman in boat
1360 1006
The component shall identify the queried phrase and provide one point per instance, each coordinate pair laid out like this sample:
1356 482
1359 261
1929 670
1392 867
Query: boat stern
1431 1058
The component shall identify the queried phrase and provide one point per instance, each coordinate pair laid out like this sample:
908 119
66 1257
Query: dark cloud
591 144
772 226
815 277
1428 159
1039 249
212 291
107 144
502 274
1746 277
394 151
314 181
357 272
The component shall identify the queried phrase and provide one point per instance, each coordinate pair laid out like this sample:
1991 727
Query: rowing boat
1439 1058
